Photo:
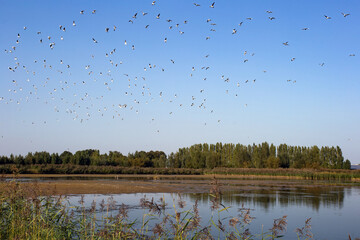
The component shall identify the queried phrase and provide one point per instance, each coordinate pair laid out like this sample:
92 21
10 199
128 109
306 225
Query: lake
332 206
355 167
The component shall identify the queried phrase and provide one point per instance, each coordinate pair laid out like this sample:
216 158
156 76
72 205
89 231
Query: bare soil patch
117 184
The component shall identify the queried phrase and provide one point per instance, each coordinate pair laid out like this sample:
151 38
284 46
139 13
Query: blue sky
312 100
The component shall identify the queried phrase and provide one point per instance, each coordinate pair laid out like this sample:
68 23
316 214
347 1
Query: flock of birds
81 106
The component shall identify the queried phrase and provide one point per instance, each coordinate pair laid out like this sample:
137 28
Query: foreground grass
25 213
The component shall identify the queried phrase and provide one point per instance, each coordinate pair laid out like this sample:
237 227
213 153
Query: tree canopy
198 156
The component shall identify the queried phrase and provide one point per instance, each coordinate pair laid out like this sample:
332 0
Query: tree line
198 156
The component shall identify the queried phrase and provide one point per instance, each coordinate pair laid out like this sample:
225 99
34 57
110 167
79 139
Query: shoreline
129 184
164 176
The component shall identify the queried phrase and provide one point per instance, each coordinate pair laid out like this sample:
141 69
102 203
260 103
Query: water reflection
262 198
266 194
326 205
313 197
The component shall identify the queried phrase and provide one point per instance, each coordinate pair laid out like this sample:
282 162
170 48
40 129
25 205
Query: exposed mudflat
117 184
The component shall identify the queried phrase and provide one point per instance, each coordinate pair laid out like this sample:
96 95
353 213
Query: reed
310 174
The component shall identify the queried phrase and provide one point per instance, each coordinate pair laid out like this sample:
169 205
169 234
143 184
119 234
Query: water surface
334 209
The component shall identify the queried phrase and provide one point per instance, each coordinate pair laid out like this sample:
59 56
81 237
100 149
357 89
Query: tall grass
312 174
83 169
25 214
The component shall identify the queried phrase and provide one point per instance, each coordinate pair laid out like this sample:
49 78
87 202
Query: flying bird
212 5
345 14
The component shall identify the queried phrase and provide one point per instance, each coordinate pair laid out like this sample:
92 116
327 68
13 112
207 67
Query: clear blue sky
312 100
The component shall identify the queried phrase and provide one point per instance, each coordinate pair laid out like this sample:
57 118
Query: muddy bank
117 184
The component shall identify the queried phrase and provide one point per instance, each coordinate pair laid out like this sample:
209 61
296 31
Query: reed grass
310 174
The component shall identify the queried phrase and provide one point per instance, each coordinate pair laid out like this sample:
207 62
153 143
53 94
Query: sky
238 72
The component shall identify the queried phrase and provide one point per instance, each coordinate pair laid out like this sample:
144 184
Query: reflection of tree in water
314 197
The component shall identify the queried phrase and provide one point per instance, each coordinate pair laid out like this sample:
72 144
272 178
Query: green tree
347 164
339 158
283 156
256 157
211 159
272 162
66 157
55 159
314 157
